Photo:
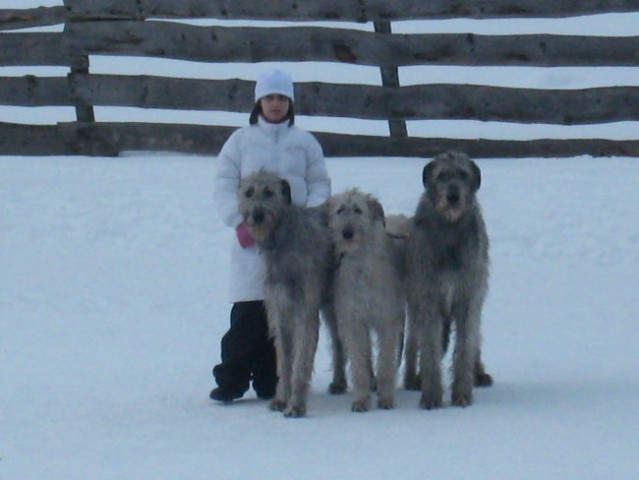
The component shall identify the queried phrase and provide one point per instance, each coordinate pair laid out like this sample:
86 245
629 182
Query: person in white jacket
272 142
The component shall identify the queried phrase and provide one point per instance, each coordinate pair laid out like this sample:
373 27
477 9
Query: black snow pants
248 353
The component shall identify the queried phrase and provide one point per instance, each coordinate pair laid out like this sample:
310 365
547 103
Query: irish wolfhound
299 263
447 280
369 294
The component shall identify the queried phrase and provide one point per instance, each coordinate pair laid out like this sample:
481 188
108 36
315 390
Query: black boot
223 395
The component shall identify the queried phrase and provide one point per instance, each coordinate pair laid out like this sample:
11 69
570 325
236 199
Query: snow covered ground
113 301
113 296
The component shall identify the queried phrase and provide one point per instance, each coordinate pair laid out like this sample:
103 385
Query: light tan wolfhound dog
369 294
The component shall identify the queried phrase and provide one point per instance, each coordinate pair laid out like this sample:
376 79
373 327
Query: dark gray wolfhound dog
298 254
447 281
370 298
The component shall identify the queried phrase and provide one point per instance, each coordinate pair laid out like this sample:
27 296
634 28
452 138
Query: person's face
275 107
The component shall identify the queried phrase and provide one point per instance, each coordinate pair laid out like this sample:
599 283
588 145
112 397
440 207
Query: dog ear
377 209
427 172
286 191
476 175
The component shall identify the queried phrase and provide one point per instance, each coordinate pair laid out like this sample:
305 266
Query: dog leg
284 353
411 377
339 383
430 362
386 367
482 377
306 338
464 357
357 338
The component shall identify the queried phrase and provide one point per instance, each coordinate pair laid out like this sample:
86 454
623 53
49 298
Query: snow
113 301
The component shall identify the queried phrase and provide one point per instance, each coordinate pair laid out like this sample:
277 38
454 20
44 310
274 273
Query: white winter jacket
293 154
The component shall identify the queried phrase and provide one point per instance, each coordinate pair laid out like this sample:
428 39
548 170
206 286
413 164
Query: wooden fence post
390 78
80 66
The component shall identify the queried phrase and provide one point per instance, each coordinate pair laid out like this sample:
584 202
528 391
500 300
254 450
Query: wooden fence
130 28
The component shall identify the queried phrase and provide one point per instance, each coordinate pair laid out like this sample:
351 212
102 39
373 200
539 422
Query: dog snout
452 196
258 215
348 233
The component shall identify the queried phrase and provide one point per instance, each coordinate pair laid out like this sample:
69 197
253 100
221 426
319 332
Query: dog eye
249 192
358 210
340 210
443 176
463 175
268 193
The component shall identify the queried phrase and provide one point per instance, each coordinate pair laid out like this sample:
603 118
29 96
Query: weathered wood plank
32 49
355 146
417 102
108 139
340 10
32 91
18 139
382 49
111 138
226 44
32 17
164 92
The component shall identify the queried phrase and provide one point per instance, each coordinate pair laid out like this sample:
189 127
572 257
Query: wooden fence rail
461 102
121 28
341 10
297 44
34 17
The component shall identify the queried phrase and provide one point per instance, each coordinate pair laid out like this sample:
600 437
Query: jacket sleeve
227 181
317 179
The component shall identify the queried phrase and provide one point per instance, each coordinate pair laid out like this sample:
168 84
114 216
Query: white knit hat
274 82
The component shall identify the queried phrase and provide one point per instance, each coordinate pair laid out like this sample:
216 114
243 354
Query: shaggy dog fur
447 280
369 294
299 265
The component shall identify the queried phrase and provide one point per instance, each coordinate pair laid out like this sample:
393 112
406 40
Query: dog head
354 217
451 180
263 195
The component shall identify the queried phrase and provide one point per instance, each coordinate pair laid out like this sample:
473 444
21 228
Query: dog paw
462 399
360 406
430 402
337 388
483 380
278 405
295 411
385 403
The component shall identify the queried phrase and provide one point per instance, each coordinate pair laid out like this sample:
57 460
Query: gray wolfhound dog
447 281
299 263
369 294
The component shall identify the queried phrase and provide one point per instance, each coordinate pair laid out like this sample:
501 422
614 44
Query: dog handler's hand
244 236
